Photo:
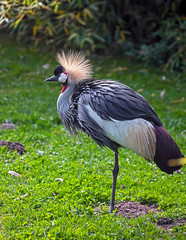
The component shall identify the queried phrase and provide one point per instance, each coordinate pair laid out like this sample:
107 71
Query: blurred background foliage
152 31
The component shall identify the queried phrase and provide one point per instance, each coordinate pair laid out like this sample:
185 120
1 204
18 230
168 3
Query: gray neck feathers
63 102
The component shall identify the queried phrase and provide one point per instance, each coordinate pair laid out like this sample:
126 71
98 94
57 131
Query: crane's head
74 67
60 75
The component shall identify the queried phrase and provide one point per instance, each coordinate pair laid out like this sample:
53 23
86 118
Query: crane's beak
53 78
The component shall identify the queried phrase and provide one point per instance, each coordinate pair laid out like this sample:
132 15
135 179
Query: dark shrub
151 31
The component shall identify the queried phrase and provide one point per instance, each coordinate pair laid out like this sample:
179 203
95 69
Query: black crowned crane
112 114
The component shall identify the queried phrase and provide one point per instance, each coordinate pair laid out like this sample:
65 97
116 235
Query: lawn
36 205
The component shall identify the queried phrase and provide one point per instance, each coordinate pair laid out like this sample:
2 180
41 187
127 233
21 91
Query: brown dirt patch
134 209
168 223
13 146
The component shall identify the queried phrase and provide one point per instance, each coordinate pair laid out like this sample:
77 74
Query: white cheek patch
62 78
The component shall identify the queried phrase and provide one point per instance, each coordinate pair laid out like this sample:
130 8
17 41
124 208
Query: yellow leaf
47 8
49 31
32 13
119 69
79 19
179 100
18 20
183 18
78 15
66 30
122 37
60 16
140 90
59 12
87 12
109 74
35 28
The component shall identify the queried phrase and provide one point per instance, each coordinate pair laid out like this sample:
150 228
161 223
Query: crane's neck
63 101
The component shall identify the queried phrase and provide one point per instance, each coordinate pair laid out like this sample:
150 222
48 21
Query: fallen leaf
143 70
46 66
97 69
119 69
40 152
140 90
14 173
153 94
59 179
8 126
162 93
109 74
102 208
163 78
179 100
23 196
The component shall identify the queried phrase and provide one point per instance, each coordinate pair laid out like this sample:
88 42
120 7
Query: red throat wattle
64 88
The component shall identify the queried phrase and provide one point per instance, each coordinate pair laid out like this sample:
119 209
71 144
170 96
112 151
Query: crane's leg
115 173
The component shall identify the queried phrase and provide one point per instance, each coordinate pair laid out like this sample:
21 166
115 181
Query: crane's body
112 114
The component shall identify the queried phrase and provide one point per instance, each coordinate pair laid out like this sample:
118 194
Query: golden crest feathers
76 65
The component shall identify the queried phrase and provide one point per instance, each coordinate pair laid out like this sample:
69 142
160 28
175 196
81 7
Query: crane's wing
114 100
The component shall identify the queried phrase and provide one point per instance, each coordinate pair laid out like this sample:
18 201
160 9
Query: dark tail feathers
166 149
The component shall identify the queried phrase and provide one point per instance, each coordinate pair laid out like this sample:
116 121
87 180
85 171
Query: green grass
55 210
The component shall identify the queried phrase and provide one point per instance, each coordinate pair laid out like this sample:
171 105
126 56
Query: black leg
115 173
